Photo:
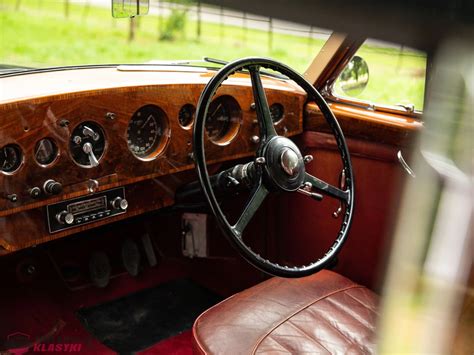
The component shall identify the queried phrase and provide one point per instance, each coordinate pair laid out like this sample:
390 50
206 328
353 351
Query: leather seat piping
299 311
263 337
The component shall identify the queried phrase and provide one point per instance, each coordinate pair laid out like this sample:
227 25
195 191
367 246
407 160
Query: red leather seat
323 313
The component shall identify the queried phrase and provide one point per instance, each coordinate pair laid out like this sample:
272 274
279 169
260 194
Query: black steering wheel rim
235 236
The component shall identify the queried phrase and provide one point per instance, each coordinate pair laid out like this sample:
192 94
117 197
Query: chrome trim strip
405 165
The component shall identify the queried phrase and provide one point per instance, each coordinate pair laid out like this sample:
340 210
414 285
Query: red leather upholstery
323 313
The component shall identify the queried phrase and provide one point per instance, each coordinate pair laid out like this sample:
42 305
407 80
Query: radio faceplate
87 209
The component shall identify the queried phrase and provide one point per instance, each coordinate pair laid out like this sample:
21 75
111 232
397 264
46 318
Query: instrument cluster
90 154
147 135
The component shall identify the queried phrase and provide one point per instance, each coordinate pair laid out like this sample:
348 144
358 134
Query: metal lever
306 190
89 150
90 133
408 107
342 185
405 165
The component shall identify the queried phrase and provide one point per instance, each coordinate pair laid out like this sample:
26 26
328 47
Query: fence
200 13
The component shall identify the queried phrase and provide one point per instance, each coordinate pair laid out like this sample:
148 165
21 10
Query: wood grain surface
36 106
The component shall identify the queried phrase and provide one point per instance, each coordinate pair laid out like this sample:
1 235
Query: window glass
38 34
396 75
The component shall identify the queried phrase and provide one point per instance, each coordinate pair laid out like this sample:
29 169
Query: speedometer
223 119
147 132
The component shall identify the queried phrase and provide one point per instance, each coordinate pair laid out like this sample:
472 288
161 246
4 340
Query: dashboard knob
52 187
119 203
35 192
12 197
65 217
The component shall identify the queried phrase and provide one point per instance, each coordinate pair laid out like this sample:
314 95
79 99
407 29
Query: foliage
39 35
175 24
395 77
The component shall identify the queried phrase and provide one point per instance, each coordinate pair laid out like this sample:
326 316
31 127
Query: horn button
284 164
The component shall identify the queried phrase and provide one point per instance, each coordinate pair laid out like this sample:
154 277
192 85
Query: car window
384 74
40 34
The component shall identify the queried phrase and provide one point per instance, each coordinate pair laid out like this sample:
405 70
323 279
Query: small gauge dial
186 115
11 158
146 133
46 151
223 119
87 144
276 112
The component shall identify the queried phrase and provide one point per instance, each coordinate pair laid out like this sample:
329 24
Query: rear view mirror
354 77
129 8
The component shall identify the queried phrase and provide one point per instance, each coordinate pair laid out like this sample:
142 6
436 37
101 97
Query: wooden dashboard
56 105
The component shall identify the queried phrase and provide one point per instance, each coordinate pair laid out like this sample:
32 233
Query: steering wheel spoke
259 195
267 130
326 189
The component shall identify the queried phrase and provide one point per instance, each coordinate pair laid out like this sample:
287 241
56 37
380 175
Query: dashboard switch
89 150
52 187
35 192
65 217
12 197
119 204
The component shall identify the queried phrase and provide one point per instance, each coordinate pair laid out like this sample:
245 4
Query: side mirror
129 8
354 77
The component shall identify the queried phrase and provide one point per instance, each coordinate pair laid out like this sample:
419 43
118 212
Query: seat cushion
322 313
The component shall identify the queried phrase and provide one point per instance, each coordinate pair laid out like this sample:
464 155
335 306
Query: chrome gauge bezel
235 123
54 157
187 109
161 142
103 134
279 106
21 159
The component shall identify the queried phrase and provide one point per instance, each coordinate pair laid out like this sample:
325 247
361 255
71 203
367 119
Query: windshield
39 34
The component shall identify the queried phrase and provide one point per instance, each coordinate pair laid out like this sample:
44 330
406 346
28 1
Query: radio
88 209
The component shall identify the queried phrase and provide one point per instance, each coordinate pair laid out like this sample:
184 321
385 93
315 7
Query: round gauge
186 115
11 158
276 112
223 119
87 144
146 133
46 151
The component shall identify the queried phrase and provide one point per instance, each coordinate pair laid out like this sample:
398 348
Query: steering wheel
278 166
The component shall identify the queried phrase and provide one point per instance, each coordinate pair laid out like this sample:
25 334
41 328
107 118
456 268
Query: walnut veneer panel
33 107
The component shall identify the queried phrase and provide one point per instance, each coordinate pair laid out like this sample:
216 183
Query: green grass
394 77
38 34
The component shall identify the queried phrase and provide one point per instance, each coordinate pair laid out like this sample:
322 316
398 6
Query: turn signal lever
342 185
306 188
235 179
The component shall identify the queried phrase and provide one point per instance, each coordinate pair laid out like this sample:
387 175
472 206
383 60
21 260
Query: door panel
362 124
308 227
